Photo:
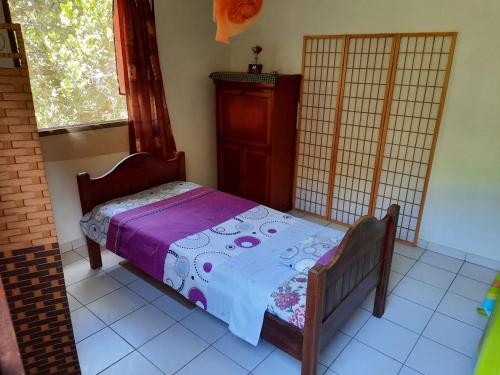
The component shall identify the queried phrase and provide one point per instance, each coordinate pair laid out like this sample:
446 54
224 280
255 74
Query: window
71 57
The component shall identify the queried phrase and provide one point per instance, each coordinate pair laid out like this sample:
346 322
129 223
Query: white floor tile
247 355
110 259
85 323
77 271
176 310
83 251
408 371
463 309
173 349
142 325
442 261
101 350
431 358
354 324
453 334
145 289
432 275
332 350
132 364
296 213
401 264
338 227
469 288
483 274
69 257
211 362
121 274
278 362
369 301
406 313
408 251
73 303
357 358
116 305
208 327
89 290
419 292
387 337
316 220
394 279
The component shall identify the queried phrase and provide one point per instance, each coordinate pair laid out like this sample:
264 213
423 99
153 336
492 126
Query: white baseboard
460 254
72 245
482 261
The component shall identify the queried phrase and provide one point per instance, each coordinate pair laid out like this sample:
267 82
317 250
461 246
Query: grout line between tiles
433 313
352 337
225 355
274 349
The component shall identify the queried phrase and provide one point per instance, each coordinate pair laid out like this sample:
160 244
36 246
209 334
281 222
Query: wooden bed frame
334 291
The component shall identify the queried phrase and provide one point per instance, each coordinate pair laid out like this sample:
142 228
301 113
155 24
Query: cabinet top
245 77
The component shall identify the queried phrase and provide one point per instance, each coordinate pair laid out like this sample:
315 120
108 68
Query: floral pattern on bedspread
288 302
95 224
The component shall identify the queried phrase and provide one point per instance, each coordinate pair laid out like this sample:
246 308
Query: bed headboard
130 175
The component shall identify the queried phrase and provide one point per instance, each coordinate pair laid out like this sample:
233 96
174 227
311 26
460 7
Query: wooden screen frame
384 123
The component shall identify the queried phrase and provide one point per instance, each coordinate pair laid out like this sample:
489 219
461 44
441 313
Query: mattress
179 231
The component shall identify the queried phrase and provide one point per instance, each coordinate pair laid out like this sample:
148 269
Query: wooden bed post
314 319
385 270
94 254
83 180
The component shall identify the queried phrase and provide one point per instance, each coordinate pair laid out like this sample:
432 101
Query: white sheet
239 289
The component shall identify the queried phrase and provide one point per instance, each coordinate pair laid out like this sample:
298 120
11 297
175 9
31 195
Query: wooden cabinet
256 124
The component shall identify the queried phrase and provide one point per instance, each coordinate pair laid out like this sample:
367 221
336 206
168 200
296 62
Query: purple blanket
143 235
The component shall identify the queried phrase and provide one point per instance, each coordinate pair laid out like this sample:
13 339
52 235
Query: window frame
72 128
57 130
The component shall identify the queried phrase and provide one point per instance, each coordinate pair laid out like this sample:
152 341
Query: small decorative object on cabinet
256 122
255 68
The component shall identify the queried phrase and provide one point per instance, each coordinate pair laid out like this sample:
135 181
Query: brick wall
26 218
30 262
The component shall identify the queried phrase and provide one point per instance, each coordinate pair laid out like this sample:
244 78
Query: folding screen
367 135
322 64
366 73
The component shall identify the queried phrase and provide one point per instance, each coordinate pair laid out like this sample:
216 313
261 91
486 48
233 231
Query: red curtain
139 78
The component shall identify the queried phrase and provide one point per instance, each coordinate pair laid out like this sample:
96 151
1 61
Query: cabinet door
245 115
255 176
229 174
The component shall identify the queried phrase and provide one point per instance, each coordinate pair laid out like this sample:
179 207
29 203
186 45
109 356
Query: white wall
188 54
463 202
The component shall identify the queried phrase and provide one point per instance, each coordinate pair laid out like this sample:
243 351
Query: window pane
71 59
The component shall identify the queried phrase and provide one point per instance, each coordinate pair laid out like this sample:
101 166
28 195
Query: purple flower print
298 317
285 301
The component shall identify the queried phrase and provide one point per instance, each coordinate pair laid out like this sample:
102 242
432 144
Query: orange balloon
234 16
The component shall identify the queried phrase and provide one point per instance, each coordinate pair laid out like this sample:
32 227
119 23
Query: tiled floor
123 325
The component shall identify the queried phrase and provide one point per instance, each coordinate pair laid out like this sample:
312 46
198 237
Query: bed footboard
134 173
335 291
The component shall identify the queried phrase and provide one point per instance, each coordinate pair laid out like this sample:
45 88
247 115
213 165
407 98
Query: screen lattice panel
367 70
370 112
321 74
421 74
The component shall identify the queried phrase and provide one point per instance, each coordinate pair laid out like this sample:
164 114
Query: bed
327 292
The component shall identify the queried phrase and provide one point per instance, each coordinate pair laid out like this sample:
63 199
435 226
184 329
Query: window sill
81 128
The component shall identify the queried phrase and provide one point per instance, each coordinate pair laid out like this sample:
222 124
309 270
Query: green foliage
71 59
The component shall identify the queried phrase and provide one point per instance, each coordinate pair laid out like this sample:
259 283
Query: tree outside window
71 58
